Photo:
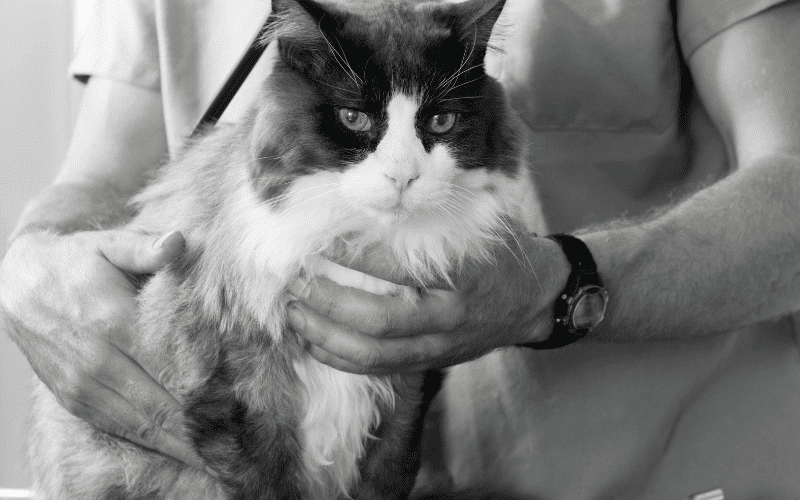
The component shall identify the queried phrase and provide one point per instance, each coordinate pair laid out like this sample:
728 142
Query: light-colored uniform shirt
615 131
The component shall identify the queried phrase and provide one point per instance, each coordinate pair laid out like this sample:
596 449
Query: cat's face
385 112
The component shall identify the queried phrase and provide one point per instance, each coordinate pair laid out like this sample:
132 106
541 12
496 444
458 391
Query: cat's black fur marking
119 493
255 454
335 59
377 481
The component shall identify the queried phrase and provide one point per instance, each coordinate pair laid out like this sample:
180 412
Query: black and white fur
264 202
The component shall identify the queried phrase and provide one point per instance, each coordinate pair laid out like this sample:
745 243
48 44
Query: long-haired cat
377 126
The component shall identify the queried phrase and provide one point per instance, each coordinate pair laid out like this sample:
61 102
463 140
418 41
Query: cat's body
365 134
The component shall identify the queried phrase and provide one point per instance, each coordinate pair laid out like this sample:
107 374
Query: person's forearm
69 207
726 257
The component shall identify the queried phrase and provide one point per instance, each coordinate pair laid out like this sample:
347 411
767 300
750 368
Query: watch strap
583 272
578 254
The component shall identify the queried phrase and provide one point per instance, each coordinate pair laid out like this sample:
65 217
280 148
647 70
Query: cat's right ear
304 30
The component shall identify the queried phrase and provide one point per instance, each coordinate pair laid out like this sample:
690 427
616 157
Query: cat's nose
402 179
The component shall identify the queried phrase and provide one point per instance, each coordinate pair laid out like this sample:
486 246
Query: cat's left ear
477 19
304 30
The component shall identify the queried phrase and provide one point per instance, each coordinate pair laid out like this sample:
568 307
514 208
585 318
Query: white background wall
37 102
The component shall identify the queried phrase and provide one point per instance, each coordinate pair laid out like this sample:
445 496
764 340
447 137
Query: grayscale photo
400 249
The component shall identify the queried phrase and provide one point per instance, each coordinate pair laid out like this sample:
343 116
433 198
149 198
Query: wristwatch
582 304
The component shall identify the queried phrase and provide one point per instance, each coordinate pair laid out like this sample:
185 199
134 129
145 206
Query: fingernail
159 243
296 318
297 286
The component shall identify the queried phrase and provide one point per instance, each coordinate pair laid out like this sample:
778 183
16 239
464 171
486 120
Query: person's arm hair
729 255
119 136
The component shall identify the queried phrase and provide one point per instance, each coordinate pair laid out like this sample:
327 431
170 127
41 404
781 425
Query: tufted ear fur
477 19
304 29
472 21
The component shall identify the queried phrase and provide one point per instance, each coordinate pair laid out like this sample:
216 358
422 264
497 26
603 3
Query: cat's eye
441 123
355 120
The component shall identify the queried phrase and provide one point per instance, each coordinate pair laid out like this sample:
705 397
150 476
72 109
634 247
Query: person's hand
505 302
69 305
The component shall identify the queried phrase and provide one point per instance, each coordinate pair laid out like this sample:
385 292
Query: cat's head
379 122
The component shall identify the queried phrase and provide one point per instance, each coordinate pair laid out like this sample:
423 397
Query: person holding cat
689 382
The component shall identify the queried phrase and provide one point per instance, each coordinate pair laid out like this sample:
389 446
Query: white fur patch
382 183
340 409
400 153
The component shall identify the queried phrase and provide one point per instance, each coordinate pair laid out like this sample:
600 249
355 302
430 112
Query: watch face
589 307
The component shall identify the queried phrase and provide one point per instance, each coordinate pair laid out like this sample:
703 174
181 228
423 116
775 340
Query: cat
377 127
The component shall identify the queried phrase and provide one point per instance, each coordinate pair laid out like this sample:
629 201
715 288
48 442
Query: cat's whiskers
530 170
455 196
464 58
298 190
494 231
273 157
461 85
341 60
523 164
461 193
459 98
460 201
494 223
447 85
348 91
462 188
505 224
300 209
450 208
518 158
277 200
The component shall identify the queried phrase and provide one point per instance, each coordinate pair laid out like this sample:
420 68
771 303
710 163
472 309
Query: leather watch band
583 274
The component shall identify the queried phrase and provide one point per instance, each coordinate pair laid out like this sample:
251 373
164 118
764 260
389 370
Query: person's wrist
67 208
552 279
581 305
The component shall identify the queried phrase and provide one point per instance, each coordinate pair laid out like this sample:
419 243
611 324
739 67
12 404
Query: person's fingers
358 353
329 359
389 367
88 361
106 409
139 253
380 262
147 412
381 316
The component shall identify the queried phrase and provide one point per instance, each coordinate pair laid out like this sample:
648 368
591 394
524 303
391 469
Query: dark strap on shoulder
234 81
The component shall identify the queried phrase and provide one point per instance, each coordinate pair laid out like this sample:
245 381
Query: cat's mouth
398 213
395 205
392 212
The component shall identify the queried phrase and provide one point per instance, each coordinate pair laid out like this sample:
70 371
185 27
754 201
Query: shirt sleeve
701 20
120 42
